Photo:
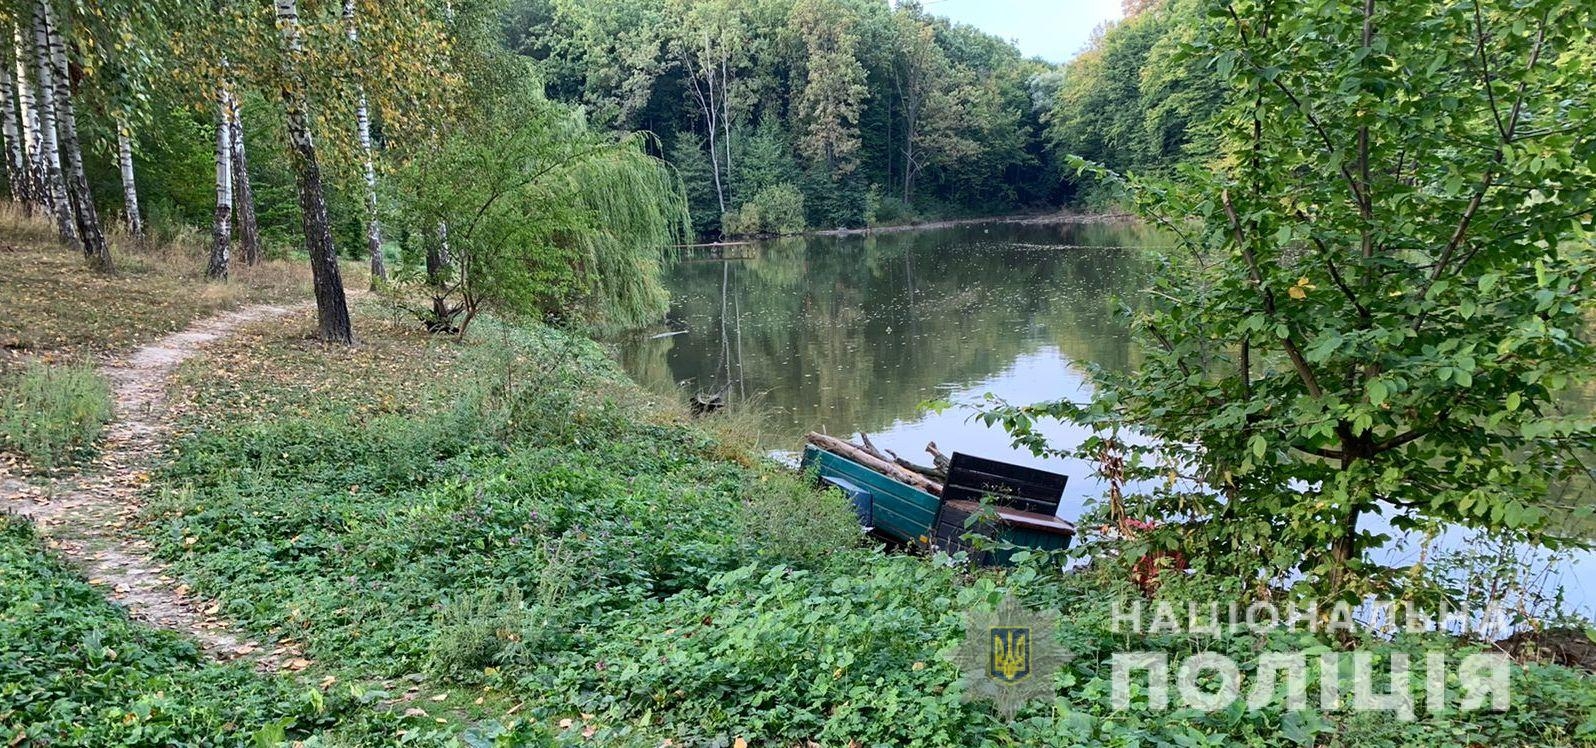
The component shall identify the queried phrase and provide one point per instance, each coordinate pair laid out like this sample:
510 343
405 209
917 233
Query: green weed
52 415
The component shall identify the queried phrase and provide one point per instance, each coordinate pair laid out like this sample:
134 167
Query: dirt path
88 517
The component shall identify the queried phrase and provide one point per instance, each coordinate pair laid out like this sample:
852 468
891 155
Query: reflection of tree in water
853 333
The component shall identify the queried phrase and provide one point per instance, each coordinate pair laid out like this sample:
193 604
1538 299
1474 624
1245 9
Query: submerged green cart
1022 501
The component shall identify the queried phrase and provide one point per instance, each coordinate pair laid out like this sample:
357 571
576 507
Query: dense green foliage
1134 99
1380 296
52 414
523 210
75 671
845 102
539 533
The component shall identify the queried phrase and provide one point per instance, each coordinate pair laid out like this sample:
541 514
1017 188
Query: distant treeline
783 115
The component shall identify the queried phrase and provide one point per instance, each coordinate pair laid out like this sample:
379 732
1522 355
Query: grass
503 541
57 309
52 414
508 529
75 671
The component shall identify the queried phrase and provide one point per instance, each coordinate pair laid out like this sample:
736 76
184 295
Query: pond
904 336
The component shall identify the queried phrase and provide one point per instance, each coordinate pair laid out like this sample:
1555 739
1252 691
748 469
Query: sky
1054 30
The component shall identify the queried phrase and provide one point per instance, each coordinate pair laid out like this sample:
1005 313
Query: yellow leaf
1296 292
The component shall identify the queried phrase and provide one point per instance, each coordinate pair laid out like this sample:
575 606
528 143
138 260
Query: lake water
850 334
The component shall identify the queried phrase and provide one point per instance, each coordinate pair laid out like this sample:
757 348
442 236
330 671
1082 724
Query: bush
774 211
53 414
893 211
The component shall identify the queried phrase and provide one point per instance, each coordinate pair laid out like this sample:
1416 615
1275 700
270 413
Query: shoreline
1027 219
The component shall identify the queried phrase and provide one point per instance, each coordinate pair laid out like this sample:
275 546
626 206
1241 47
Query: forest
783 115
316 426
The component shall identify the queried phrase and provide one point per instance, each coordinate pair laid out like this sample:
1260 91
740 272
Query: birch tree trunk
28 113
49 146
379 271
332 309
222 219
130 188
85 216
16 160
243 192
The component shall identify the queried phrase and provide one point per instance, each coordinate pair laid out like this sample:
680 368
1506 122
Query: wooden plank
972 478
1033 521
898 511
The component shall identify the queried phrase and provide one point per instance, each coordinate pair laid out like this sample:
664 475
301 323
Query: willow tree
546 218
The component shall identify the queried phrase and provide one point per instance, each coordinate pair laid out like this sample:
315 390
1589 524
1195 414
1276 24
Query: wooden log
858 454
941 461
887 455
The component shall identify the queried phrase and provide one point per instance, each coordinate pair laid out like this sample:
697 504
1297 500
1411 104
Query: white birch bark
222 220
49 145
85 218
16 160
28 113
243 193
379 271
130 189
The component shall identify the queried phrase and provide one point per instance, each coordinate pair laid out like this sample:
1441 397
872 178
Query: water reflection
855 334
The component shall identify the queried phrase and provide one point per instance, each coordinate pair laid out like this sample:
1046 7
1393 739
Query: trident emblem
1010 660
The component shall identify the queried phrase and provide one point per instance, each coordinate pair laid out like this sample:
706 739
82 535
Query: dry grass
57 309
262 372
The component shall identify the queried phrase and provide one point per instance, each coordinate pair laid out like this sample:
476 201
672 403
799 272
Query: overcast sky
1053 30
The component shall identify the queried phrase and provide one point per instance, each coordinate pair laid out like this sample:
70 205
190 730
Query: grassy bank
509 530
503 541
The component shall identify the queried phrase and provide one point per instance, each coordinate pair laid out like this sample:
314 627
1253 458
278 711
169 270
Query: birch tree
332 309
379 272
49 148
243 191
17 172
28 120
85 217
124 167
222 218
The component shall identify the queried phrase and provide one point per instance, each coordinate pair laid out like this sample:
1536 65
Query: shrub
775 211
789 521
893 211
53 414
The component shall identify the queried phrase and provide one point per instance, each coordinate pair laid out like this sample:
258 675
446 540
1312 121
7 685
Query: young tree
1385 288
379 272
124 166
545 219
332 309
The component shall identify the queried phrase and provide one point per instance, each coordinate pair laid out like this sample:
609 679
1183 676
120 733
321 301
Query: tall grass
52 415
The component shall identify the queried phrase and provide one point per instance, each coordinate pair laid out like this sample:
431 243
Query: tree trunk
332 309
243 192
379 271
16 161
49 146
222 219
29 116
85 216
130 189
